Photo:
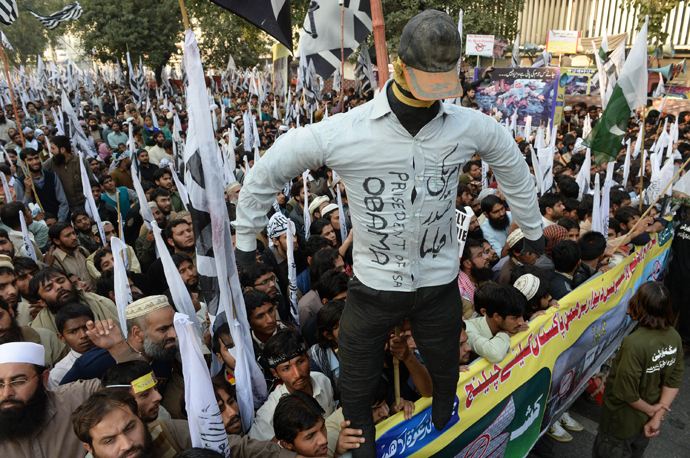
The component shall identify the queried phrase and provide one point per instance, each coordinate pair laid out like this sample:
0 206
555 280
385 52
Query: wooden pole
644 215
119 215
185 19
396 372
14 104
642 166
342 57
33 187
380 41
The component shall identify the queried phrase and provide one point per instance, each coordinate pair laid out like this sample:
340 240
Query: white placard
480 45
462 222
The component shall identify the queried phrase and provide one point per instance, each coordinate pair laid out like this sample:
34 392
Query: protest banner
480 45
580 81
562 41
534 92
502 409
500 48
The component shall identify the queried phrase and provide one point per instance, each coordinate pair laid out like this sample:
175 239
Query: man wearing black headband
286 354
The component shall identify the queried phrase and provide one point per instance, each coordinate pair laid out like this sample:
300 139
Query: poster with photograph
531 91
581 81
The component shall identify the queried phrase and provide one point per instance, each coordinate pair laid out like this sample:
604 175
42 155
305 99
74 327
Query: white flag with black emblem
218 273
320 39
8 13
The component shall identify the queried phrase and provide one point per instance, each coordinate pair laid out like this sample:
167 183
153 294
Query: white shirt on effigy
400 244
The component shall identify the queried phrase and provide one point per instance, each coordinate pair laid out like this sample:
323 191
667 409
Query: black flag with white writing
271 16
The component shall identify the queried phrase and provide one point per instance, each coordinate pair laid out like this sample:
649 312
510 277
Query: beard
94 128
182 248
481 273
159 144
476 234
500 223
12 333
23 421
59 159
157 350
146 450
319 173
55 306
3 119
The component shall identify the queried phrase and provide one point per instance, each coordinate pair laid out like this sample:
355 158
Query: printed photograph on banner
531 91
580 81
500 47
575 366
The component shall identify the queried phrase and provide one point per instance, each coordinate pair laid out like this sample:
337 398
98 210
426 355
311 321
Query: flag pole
682 167
25 169
342 56
642 166
380 41
396 372
14 104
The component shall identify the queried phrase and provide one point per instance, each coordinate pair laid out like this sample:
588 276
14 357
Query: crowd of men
70 382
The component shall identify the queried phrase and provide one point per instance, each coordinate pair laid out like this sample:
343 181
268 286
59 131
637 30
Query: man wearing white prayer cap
36 422
151 337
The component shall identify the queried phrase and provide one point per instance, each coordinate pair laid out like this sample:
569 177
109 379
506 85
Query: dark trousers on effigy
369 316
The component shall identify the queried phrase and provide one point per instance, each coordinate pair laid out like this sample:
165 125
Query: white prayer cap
515 237
22 352
316 203
329 208
486 192
528 285
38 132
213 106
283 128
232 185
26 130
6 261
146 305
164 163
568 109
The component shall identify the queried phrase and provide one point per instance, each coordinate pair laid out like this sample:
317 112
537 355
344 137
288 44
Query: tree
657 10
222 33
484 18
150 29
27 35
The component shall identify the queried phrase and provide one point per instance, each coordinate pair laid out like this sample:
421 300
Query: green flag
629 94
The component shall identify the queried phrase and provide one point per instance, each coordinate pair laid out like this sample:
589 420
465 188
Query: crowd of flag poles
624 90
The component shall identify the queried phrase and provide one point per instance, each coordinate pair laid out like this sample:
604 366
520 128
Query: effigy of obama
399 156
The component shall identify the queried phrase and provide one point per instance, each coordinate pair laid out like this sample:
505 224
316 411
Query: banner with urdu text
502 409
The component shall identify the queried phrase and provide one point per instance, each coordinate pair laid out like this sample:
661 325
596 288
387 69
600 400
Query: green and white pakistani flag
629 94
